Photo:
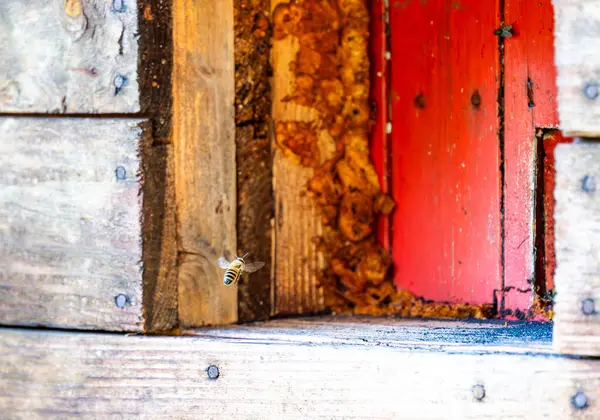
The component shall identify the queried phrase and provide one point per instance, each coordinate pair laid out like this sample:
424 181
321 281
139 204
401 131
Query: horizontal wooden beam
298 371
577 230
577 41
87 223
72 56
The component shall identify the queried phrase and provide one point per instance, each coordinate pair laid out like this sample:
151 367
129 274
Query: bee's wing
252 267
222 262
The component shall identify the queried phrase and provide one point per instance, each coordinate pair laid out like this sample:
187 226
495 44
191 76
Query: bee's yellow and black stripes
231 275
233 272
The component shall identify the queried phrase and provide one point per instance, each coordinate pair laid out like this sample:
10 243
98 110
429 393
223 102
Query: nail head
120 173
121 300
579 400
588 306
212 372
588 184
479 392
591 91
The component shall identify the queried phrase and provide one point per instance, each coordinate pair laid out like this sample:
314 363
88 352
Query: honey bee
235 268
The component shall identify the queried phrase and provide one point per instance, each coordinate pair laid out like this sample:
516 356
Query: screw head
591 91
476 99
588 306
579 400
120 173
588 184
121 300
478 392
213 372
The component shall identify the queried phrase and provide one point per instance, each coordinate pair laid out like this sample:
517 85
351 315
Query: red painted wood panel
379 97
550 143
445 156
530 102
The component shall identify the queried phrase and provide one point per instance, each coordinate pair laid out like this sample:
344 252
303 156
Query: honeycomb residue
332 75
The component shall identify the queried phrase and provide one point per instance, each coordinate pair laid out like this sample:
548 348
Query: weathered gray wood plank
70 223
74 375
577 230
577 42
69 56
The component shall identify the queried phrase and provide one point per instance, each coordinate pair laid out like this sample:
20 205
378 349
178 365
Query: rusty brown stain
90 71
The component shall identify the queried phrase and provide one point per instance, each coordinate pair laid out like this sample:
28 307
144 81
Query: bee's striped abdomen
231 275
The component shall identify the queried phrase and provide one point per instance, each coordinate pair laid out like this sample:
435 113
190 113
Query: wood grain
577 40
577 229
445 158
69 375
528 59
255 203
155 62
159 246
70 234
297 219
75 56
203 132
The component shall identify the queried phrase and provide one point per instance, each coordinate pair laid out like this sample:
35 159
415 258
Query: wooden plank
105 376
203 135
380 56
71 240
296 262
577 40
254 172
529 103
445 151
73 56
550 140
577 228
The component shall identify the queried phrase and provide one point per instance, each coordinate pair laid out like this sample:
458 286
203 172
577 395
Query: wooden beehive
143 139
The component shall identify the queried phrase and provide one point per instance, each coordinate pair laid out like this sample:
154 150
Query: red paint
529 53
550 143
445 151
379 96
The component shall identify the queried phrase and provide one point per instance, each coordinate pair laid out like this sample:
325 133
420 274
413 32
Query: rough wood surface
577 41
529 103
203 132
155 61
66 375
70 212
75 56
159 249
577 229
296 262
254 173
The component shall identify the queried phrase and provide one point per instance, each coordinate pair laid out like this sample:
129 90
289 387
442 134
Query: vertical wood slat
203 132
76 56
577 229
296 263
577 42
529 103
444 144
254 166
70 223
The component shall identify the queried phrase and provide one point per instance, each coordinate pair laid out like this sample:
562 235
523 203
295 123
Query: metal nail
212 372
120 173
591 91
118 5
588 306
579 400
478 392
588 184
121 300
